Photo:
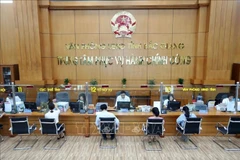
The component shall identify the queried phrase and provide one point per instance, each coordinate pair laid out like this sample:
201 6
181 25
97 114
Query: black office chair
154 128
20 126
232 128
108 126
191 126
1 127
49 127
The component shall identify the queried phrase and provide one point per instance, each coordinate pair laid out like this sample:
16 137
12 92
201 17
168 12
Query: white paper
158 105
8 107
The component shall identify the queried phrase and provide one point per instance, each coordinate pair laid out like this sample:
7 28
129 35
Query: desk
130 123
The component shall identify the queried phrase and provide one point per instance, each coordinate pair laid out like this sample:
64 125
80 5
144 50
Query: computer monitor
76 106
31 105
98 109
199 106
123 105
173 105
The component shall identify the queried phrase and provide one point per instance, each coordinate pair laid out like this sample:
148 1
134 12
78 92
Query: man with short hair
122 98
105 114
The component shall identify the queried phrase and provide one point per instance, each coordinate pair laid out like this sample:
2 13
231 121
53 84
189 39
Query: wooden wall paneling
185 21
237 32
234 26
159 72
219 34
160 21
141 17
30 55
8 33
63 71
62 21
216 35
222 63
46 45
83 71
200 49
105 17
87 21
133 72
113 73
123 5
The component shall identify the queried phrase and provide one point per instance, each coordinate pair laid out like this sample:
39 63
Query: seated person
10 98
82 98
170 98
182 119
228 99
105 113
54 113
155 112
122 98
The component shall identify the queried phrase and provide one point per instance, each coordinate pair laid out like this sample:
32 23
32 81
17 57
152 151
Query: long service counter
130 123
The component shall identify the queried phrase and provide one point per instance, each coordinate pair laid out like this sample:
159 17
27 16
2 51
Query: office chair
232 128
88 97
108 126
42 97
62 97
191 126
1 127
21 95
119 92
154 128
49 127
20 126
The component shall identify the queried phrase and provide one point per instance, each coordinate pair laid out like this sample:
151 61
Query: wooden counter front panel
130 123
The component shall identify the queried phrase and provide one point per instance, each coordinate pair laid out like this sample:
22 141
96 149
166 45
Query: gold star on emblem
124 19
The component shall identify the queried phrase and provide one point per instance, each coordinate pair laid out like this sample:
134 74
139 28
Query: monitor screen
123 105
76 106
173 105
98 105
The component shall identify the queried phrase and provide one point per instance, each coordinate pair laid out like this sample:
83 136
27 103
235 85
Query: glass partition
140 95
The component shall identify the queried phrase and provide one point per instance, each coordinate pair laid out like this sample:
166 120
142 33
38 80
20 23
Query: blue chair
62 97
42 97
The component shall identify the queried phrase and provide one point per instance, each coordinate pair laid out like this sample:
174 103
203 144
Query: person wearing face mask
122 98
170 98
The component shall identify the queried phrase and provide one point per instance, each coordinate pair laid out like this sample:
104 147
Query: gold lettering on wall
124 60
121 46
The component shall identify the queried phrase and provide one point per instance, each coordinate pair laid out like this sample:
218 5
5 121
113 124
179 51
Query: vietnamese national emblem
123 24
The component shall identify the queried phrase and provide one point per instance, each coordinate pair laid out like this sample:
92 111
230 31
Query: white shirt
225 101
54 114
10 100
105 113
120 99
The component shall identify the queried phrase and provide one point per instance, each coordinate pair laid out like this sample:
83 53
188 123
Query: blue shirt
182 118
